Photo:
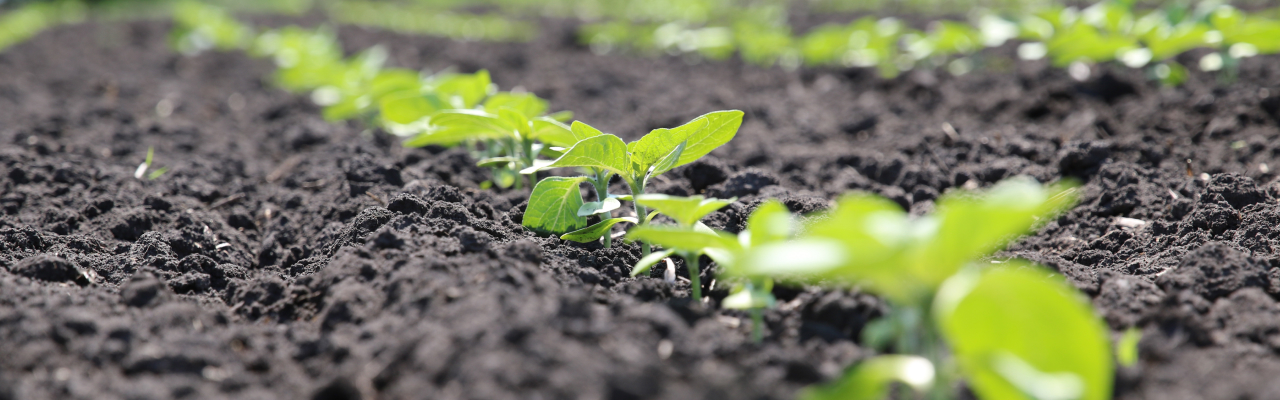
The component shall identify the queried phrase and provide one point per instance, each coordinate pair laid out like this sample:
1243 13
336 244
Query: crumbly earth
285 257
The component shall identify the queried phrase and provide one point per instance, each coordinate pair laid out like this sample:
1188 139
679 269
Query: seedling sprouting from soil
687 239
1010 329
770 223
636 163
146 166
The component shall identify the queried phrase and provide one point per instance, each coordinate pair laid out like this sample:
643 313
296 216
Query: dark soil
285 257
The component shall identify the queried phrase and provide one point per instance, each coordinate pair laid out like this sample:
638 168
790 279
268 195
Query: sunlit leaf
1037 319
553 206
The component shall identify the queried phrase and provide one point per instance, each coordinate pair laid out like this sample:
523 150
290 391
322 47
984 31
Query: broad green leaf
682 238
599 207
666 163
561 116
583 131
395 80
871 378
553 206
518 122
876 235
552 132
596 231
648 261
463 91
405 108
998 318
701 136
453 126
771 222
526 104
685 210
605 152
800 260
972 226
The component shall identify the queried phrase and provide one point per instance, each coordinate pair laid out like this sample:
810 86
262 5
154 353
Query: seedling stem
695 278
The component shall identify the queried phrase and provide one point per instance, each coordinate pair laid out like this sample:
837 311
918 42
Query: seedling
146 165
1011 330
514 121
636 163
686 238
771 222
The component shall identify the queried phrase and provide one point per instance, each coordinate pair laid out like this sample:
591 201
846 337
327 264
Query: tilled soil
285 257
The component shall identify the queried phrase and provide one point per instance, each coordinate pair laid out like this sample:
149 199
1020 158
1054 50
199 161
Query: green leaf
1127 347
667 162
795 260
596 231
463 91
516 121
453 126
552 132
599 207
496 161
771 222
997 319
605 152
970 227
553 206
685 210
526 104
682 238
405 108
870 379
701 136
648 261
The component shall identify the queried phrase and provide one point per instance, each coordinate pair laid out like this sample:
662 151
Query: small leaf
157 173
1127 347
596 231
496 161
685 210
648 261
553 206
599 207
683 238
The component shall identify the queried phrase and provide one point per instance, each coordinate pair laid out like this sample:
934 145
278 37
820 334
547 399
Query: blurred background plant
888 36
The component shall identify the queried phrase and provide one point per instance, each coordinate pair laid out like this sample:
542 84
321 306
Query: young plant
516 123
687 239
771 222
1012 330
636 163
146 166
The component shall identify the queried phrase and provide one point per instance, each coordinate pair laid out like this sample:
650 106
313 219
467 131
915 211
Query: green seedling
199 27
770 223
636 163
686 211
1127 347
514 121
1011 330
146 166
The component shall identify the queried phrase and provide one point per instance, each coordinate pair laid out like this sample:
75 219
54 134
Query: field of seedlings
611 199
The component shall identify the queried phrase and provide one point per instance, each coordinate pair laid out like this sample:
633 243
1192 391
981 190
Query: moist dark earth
286 257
